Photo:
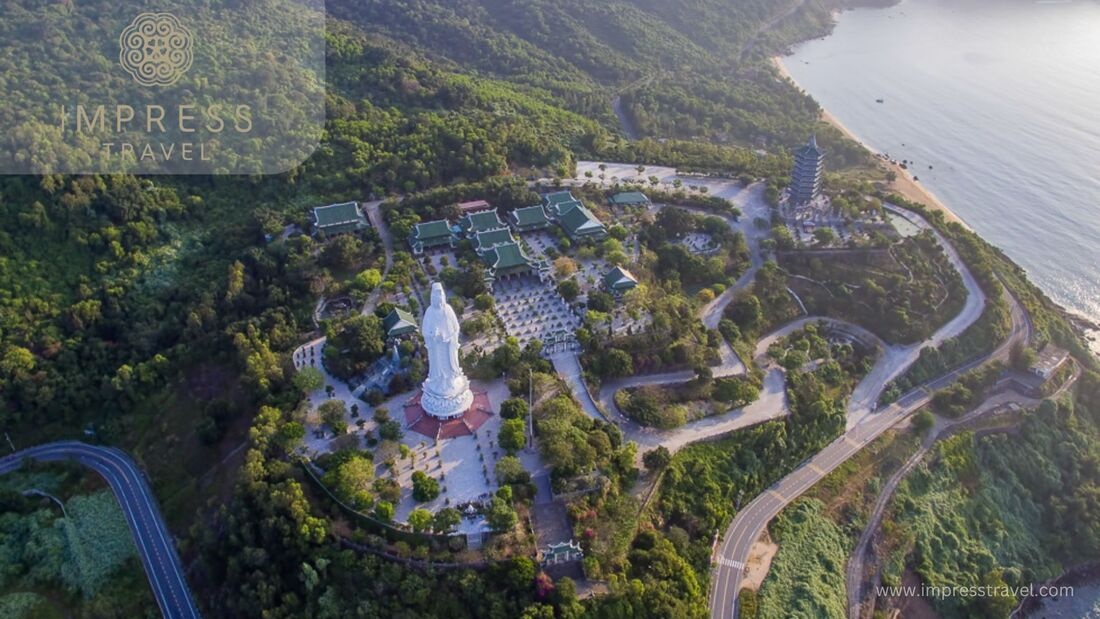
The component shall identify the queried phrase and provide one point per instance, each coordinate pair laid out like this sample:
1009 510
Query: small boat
880 101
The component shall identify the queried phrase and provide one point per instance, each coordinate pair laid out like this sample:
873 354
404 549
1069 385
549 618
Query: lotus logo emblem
156 49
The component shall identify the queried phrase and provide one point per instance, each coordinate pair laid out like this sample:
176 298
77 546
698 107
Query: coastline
904 184
1077 576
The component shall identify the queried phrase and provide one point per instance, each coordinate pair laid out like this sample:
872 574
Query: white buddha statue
446 392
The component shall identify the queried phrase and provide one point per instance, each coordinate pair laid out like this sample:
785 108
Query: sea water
998 104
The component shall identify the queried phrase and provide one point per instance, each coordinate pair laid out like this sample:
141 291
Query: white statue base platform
418 420
446 406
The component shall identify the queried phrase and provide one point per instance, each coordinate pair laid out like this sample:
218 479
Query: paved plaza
440 258
463 465
590 274
539 243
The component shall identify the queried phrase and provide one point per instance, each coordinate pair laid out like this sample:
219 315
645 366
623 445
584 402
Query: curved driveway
151 537
771 404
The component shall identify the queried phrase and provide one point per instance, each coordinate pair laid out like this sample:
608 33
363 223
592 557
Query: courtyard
532 310
463 465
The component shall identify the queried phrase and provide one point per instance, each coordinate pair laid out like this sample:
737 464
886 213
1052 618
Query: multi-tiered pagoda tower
806 174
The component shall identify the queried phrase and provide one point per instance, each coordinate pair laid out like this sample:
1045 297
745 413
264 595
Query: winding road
772 403
154 543
942 429
733 551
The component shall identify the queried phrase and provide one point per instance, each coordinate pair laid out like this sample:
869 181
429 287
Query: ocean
998 104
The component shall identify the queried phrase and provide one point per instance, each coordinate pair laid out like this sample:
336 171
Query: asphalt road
854 577
154 544
749 523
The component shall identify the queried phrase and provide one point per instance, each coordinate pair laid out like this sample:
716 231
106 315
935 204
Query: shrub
657 459
512 435
514 408
332 414
425 488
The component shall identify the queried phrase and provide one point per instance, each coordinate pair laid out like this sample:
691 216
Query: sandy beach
904 184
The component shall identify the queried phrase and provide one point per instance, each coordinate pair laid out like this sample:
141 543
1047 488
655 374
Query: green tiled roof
338 215
619 279
579 221
557 197
629 197
486 240
506 256
563 207
481 221
399 322
530 216
431 230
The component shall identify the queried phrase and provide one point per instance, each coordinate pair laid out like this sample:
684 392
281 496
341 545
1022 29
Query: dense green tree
500 515
509 470
368 279
332 414
343 252
353 344
425 487
514 408
387 489
309 379
569 290
420 520
351 481
513 436
384 510
446 519
657 458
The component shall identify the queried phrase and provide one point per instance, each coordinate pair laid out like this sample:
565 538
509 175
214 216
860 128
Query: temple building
618 281
529 219
553 199
431 234
480 221
484 241
807 173
629 198
579 223
473 205
336 219
398 323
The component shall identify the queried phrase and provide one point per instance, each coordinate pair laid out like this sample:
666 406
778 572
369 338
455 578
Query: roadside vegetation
976 511
79 562
705 483
813 550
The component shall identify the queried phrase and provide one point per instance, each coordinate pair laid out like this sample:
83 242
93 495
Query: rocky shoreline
1083 574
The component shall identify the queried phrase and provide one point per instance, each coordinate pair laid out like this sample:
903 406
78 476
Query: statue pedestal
465 423
446 406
